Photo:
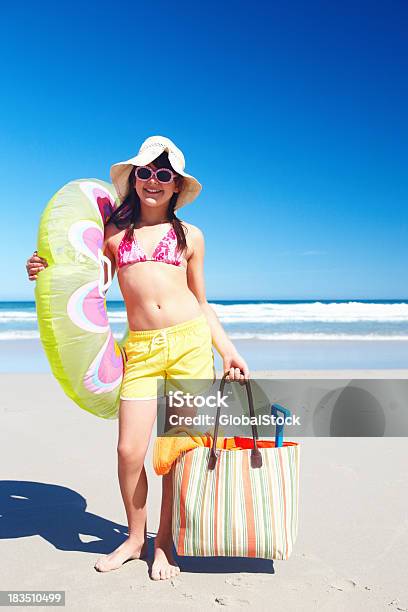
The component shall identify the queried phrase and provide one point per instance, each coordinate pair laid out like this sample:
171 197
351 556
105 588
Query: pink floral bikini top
130 251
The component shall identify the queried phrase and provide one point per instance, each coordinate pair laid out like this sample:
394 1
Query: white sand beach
60 508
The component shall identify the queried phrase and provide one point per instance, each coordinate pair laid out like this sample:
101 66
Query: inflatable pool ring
70 296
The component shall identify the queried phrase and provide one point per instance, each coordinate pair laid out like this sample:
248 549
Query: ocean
270 334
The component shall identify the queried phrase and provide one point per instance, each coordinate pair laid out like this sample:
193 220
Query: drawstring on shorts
159 339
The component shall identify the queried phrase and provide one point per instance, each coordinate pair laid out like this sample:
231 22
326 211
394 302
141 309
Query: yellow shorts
175 353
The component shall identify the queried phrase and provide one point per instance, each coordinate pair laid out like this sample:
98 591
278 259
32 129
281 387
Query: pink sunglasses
163 175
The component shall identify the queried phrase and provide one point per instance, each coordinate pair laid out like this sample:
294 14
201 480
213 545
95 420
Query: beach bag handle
256 457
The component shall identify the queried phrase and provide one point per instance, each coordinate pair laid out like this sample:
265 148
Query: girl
165 302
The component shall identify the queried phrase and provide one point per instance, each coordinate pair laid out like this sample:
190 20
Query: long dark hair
127 214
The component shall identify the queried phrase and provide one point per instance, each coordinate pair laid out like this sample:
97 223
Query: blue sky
293 116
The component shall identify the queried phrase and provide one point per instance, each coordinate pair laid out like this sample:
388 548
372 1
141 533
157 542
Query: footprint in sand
397 606
237 581
344 584
225 600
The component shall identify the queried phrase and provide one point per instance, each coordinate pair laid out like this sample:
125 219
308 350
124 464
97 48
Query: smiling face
152 192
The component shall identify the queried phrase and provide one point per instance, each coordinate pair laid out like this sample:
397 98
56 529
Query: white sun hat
148 152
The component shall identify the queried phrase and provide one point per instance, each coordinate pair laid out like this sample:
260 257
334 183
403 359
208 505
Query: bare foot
130 549
164 566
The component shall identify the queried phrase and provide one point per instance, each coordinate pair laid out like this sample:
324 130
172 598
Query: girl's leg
163 564
192 359
136 419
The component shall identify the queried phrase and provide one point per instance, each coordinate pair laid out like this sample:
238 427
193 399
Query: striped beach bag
240 500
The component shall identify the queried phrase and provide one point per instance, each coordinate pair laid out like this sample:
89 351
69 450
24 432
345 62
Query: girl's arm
232 360
109 231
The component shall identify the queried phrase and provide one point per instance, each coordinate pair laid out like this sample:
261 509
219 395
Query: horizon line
254 299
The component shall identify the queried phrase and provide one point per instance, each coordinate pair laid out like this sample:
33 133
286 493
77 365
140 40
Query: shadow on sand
59 515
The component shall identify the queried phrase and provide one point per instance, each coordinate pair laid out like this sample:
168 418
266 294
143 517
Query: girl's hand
34 265
237 366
